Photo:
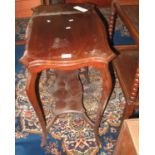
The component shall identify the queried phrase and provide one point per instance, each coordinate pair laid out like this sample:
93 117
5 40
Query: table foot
97 140
44 139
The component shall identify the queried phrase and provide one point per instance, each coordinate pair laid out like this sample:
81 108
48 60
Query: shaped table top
66 32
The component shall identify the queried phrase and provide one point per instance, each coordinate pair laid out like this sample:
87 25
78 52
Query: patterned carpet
76 135
70 134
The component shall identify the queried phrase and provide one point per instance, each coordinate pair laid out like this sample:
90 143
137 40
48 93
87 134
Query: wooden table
66 38
128 140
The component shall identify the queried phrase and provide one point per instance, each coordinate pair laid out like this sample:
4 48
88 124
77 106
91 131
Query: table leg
32 95
107 85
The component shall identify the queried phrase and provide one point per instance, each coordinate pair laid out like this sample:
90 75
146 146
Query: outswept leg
107 86
32 95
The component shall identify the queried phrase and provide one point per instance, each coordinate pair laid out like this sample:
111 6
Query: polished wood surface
66 39
74 39
129 135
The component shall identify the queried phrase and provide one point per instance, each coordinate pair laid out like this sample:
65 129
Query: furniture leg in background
126 63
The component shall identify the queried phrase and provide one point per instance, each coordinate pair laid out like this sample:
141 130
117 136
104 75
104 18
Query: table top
66 32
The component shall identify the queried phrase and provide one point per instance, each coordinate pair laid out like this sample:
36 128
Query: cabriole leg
107 86
32 95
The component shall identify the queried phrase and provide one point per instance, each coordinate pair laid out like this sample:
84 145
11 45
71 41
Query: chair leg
135 87
133 96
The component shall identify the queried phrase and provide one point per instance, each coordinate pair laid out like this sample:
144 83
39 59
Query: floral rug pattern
76 135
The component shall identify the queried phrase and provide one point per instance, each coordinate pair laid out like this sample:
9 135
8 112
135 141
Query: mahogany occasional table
65 38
